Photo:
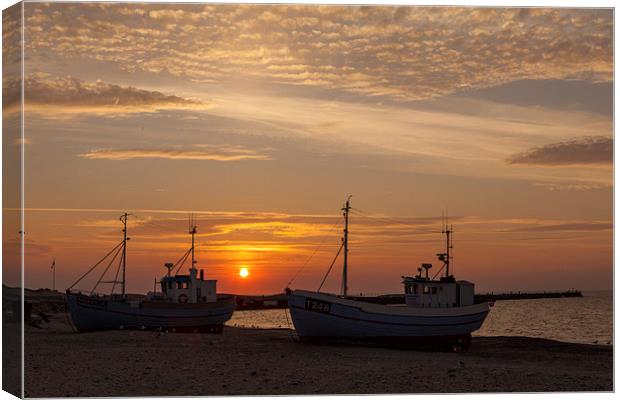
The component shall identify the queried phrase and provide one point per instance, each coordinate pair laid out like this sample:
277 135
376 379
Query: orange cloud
224 154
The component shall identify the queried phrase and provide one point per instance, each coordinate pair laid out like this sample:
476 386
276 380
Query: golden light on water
243 272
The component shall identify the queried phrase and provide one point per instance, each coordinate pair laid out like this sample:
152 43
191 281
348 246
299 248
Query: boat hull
90 313
326 316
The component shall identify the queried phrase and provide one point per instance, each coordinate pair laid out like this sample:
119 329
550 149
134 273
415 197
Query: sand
269 362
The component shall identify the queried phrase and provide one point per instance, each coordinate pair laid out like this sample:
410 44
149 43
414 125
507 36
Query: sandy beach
62 363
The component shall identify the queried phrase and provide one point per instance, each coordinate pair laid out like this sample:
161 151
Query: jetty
261 302
245 302
47 300
527 295
479 298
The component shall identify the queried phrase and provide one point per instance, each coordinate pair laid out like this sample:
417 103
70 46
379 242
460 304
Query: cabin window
412 289
426 289
179 285
169 285
434 290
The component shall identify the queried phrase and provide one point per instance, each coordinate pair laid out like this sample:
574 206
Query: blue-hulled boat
436 311
186 303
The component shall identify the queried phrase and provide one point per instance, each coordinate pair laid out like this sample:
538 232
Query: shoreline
250 361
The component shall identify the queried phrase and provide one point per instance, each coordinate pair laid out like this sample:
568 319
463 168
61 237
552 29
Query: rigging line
118 270
330 267
408 225
156 223
106 270
182 260
390 220
321 243
438 272
95 266
385 217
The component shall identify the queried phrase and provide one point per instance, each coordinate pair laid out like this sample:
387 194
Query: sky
262 119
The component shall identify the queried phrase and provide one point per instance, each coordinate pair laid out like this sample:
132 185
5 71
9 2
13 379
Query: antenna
447 230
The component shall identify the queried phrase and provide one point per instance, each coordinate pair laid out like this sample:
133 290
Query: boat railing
106 296
92 294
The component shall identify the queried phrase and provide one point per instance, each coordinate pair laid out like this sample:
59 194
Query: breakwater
526 295
245 302
280 301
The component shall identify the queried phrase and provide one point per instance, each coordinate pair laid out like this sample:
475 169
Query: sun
243 272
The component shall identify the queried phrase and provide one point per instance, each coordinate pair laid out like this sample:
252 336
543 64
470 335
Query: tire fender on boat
182 298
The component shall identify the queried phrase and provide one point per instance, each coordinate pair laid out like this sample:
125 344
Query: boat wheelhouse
188 288
426 293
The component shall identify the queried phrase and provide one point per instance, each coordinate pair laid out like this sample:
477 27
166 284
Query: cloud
568 227
400 53
267 232
572 186
222 153
62 96
585 150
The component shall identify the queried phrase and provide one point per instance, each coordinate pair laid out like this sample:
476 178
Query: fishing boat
185 303
436 312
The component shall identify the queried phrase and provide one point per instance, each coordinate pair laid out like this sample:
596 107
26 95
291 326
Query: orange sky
509 254
262 119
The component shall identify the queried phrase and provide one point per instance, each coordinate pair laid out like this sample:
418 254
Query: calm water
588 319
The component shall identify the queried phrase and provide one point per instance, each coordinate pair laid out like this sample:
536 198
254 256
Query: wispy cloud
305 229
572 186
225 153
568 227
586 150
64 96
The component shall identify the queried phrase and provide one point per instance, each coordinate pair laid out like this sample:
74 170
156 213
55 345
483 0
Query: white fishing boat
436 311
186 303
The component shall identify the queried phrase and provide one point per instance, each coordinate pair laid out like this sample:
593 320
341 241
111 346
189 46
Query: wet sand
269 362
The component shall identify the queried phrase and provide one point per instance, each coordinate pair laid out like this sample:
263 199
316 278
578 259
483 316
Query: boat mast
345 240
123 219
192 231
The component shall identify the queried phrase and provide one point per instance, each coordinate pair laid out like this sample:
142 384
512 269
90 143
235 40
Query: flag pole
54 275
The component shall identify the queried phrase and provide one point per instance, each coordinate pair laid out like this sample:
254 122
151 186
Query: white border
485 3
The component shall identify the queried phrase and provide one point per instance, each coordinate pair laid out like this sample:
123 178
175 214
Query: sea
587 319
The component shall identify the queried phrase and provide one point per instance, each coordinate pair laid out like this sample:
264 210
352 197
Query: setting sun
243 272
